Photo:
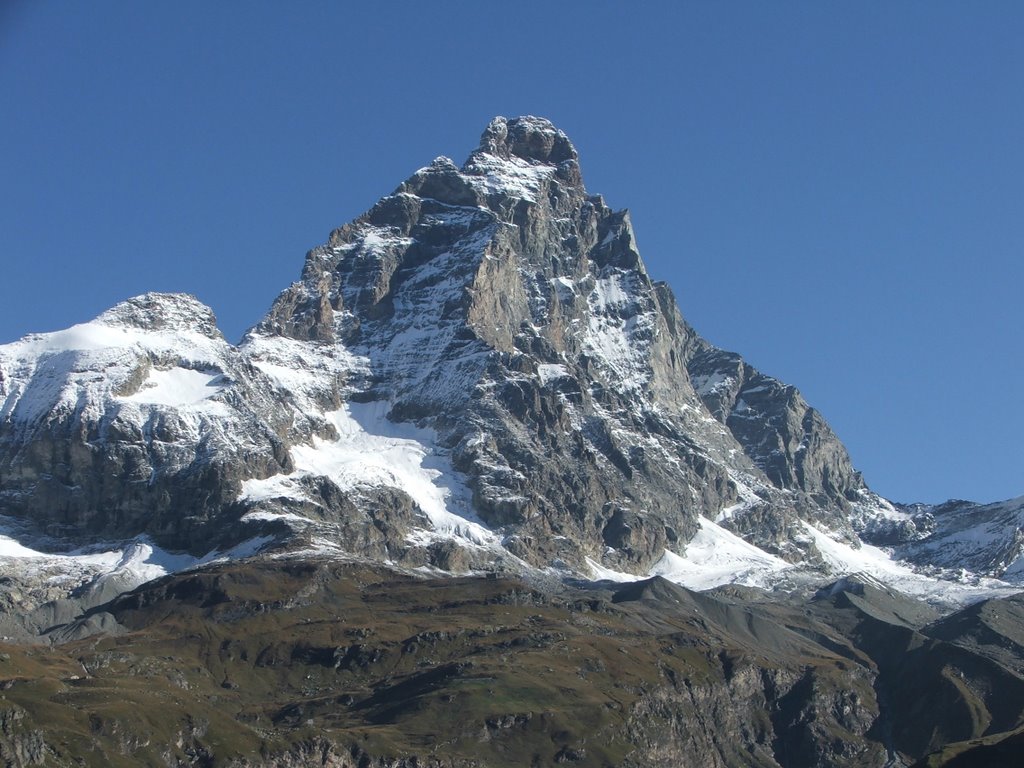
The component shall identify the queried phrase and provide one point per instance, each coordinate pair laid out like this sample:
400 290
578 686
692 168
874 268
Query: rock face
981 538
787 439
142 421
476 373
509 309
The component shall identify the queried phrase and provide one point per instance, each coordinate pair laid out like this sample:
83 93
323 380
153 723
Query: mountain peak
155 311
520 158
527 137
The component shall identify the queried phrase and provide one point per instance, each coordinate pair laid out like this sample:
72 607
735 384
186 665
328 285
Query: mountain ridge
602 251
476 373
473 493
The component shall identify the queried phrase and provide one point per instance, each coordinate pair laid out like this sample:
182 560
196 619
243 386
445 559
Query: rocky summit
476 391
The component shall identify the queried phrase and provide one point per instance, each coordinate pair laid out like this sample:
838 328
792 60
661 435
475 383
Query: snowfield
372 451
716 557
131 564
178 387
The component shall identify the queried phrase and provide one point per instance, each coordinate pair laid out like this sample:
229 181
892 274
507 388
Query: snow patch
711 383
620 330
713 557
178 387
716 556
84 337
548 372
134 563
262 516
378 238
372 451
599 572
876 562
514 177
273 488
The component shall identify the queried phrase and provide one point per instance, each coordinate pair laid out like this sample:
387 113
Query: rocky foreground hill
477 376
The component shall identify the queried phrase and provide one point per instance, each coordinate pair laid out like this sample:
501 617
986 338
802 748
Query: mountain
473 492
478 373
498 306
507 309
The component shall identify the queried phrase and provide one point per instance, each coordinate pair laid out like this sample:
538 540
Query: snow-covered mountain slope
142 421
961 535
716 556
478 373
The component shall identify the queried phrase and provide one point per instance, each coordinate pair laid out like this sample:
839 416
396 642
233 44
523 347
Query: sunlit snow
619 332
514 177
79 368
548 372
714 556
136 562
874 561
177 387
717 556
372 451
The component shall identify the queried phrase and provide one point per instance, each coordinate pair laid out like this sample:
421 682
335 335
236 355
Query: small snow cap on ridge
528 137
442 163
156 311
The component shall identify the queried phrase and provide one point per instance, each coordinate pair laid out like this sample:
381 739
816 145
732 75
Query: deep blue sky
834 190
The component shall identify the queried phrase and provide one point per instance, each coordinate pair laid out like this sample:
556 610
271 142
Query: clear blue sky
834 190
